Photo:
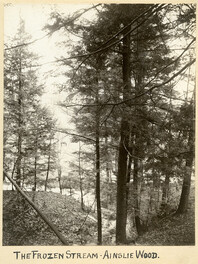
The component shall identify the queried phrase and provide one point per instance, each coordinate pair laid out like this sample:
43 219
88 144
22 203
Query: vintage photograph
99 124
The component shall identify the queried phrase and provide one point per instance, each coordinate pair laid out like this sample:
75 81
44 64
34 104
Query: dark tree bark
183 204
136 195
121 214
108 169
35 171
20 122
97 145
98 189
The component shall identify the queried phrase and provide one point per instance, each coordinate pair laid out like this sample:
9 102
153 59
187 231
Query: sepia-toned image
99 125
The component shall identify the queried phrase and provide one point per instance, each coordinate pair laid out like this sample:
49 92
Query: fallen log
45 219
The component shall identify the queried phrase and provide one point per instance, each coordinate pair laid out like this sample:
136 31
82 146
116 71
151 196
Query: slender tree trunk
59 178
165 189
98 202
81 185
48 165
98 189
108 169
12 175
136 195
121 211
128 179
23 169
20 122
35 163
35 176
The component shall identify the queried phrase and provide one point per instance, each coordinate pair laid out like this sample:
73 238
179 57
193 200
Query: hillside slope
23 226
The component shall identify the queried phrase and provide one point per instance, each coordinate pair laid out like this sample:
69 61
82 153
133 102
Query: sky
35 17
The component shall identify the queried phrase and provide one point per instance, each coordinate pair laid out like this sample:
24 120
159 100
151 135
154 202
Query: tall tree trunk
20 122
136 195
99 216
108 168
137 130
98 202
121 211
183 204
35 163
128 179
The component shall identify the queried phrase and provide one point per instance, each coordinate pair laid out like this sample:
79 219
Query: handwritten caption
35 254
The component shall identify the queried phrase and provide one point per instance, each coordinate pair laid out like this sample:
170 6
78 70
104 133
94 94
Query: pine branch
101 48
162 84
137 96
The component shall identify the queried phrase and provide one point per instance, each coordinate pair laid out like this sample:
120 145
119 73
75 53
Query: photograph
98 127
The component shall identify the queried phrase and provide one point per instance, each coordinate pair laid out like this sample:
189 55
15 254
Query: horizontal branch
75 135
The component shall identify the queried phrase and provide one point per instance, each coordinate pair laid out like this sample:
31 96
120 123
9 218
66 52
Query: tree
18 80
28 126
134 80
186 117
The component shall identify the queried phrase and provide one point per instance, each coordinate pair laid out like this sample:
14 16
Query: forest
99 134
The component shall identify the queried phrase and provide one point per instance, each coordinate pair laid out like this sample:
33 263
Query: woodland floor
173 229
22 226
